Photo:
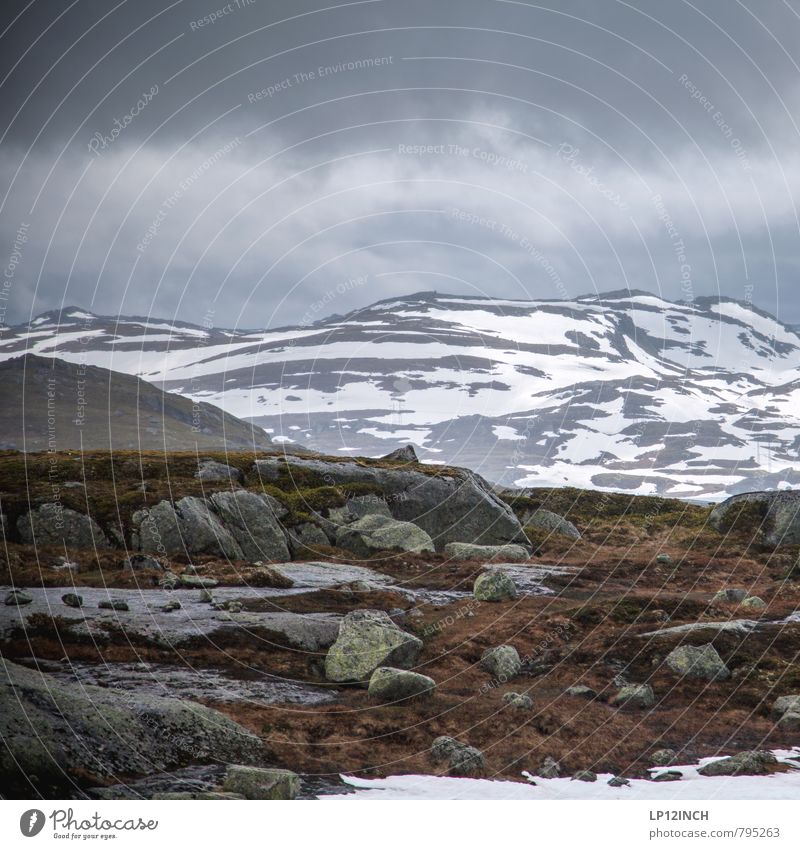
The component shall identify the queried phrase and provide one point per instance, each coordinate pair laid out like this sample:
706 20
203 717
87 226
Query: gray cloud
286 161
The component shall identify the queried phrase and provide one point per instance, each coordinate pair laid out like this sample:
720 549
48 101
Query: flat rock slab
186 682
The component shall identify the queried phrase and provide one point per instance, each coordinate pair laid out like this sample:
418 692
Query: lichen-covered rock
52 524
118 604
753 602
304 537
368 639
469 551
745 763
784 704
494 586
375 532
268 576
772 517
367 505
668 775
634 695
581 691
72 600
388 684
252 520
701 662
187 527
502 662
663 757
212 470
546 520
731 595
60 734
520 701
618 781
452 505
196 582
584 775
459 758
252 782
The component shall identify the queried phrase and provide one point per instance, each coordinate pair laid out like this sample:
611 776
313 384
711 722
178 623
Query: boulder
18 598
668 775
470 551
388 684
550 768
252 520
494 586
502 663
731 595
773 517
196 582
520 701
663 757
451 505
459 758
546 520
305 535
745 763
368 639
72 600
117 604
253 783
406 454
663 559
584 775
59 734
634 695
785 704
581 691
701 662
52 524
618 781
139 562
268 576
189 526
753 602
375 533
211 470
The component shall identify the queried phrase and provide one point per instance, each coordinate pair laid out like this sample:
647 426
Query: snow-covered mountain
622 391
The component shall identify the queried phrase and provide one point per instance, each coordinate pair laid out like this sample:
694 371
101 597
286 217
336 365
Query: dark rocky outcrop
774 517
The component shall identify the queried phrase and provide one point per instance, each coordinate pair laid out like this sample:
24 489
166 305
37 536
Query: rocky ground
585 634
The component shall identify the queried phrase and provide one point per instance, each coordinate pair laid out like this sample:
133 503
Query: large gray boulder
189 526
212 470
375 532
634 695
494 586
368 639
459 758
451 505
52 524
66 733
745 763
701 662
773 517
502 663
251 782
469 551
252 520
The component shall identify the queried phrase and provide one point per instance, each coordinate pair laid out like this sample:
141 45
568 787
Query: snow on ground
691 786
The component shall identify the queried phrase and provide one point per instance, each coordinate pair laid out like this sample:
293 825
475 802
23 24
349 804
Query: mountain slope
623 391
49 404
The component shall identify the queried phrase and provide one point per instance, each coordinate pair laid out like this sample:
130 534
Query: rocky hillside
51 404
622 391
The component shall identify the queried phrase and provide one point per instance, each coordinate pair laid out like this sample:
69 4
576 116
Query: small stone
113 604
169 581
233 606
634 695
663 558
62 564
255 783
171 605
502 663
584 775
520 701
205 597
663 757
268 576
72 600
618 781
139 562
18 597
494 586
669 775
550 768
195 582
581 691
753 602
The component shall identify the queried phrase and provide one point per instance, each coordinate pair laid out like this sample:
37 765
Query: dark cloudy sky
275 155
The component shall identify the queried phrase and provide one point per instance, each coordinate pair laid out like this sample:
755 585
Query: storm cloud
266 163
